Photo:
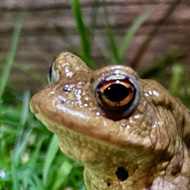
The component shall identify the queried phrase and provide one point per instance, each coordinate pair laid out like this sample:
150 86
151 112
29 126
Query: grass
83 33
86 34
28 151
119 50
10 56
29 155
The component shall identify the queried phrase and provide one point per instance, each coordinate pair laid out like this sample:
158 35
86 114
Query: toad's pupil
116 92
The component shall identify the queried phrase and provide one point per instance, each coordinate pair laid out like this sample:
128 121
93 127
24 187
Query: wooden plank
50 28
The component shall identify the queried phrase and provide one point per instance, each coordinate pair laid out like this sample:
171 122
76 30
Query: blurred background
151 36
50 27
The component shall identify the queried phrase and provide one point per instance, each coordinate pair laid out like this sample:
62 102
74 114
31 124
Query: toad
129 133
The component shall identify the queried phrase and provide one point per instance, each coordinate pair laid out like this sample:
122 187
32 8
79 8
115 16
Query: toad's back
128 133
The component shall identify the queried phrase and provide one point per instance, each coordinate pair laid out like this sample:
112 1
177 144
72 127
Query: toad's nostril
121 174
108 183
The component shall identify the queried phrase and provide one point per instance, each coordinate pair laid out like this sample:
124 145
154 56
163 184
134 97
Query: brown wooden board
49 28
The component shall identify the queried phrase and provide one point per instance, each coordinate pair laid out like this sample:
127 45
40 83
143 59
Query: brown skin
147 149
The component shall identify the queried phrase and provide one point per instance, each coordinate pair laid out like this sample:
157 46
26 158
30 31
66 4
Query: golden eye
116 93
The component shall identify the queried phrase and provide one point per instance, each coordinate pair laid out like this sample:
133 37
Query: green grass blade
38 182
11 54
23 119
186 96
52 150
14 173
20 147
35 154
3 156
62 174
130 33
111 37
21 141
25 108
83 33
177 73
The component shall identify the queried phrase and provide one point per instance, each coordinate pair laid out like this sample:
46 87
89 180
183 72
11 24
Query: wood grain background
50 28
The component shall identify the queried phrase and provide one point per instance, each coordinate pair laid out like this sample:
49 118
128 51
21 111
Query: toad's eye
53 75
118 93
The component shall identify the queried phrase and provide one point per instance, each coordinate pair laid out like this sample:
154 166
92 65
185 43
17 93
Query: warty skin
147 149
